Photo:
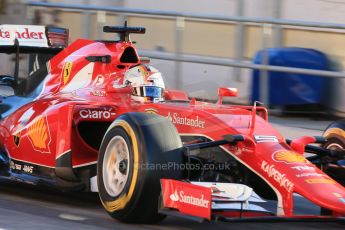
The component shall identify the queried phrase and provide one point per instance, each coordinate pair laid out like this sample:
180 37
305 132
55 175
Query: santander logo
174 196
189 199
27 35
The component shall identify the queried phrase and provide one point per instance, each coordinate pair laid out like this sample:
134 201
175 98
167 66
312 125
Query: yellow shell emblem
39 135
289 157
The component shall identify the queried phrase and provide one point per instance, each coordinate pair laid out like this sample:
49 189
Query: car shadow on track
44 206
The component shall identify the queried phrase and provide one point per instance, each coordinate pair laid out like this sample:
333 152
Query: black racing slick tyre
335 136
137 150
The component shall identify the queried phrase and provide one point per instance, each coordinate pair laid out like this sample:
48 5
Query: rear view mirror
175 95
6 90
6 85
226 92
113 89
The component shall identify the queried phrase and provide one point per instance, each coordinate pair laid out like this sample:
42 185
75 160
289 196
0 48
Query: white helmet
147 83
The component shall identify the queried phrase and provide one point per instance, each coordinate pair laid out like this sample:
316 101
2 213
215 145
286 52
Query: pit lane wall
221 37
210 38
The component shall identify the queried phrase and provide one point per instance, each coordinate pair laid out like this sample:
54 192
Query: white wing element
81 79
231 196
27 35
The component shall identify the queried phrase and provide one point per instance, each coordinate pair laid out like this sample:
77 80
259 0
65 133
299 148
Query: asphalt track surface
27 207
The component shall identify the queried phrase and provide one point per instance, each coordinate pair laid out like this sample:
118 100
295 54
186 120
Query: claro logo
189 199
96 114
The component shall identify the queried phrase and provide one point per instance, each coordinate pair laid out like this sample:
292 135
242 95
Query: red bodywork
78 91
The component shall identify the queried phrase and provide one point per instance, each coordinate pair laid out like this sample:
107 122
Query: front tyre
335 135
137 151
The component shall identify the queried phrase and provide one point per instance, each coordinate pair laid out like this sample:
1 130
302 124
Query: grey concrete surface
293 127
27 207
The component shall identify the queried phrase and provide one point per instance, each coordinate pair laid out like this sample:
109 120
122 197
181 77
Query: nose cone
324 192
292 172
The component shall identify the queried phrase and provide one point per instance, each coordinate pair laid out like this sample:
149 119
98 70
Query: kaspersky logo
189 199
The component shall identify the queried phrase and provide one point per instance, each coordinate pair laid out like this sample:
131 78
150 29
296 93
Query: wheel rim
334 146
116 165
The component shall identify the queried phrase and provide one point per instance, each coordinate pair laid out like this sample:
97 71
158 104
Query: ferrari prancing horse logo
16 139
67 68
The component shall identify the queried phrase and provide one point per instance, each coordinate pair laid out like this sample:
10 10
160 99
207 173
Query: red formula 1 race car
103 121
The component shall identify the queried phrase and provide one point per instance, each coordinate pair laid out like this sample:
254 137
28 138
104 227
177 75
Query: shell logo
39 135
289 157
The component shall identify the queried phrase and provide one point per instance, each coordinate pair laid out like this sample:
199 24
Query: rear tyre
137 151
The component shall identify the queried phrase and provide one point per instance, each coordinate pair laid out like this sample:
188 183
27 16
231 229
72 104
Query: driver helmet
146 82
